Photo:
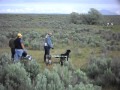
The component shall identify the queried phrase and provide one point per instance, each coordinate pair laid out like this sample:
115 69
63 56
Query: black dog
64 56
26 56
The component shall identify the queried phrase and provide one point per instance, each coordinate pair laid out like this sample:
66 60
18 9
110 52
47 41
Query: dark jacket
17 43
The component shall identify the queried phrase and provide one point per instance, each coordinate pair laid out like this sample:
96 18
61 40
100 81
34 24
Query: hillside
94 57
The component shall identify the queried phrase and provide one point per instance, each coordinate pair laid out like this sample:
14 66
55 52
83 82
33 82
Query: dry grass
114 54
3 50
78 56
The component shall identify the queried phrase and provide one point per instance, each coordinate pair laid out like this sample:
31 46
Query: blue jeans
18 54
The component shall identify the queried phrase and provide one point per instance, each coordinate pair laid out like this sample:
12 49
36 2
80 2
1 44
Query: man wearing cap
19 47
47 45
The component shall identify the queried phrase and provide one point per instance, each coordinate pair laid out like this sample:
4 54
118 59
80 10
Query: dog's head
24 54
68 51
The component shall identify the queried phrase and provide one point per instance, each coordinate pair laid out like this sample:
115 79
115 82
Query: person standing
19 47
12 47
47 46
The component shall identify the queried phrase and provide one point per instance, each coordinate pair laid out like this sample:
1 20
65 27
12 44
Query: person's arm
23 47
49 42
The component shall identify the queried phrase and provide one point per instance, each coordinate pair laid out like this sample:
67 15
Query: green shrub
15 78
79 76
2 87
115 68
5 59
33 69
82 86
97 67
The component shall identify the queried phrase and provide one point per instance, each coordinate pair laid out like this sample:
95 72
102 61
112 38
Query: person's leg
13 53
47 52
18 54
49 56
45 49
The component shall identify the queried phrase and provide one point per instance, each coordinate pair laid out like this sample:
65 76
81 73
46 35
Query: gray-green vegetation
28 76
86 35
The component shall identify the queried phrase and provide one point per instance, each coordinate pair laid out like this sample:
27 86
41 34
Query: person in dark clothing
19 47
12 47
47 46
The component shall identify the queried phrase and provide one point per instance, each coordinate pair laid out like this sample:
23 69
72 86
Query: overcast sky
57 6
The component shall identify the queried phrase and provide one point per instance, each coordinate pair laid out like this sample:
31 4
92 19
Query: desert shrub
86 38
32 68
82 86
109 77
63 78
35 44
115 68
2 87
97 67
5 59
3 40
112 40
41 82
33 40
51 80
79 76
104 71
14 77
27 75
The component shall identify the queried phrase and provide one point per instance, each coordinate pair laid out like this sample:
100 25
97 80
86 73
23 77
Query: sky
57 6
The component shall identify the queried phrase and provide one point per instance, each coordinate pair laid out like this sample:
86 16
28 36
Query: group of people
18 48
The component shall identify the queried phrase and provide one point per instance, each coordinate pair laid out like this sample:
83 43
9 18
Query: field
85 41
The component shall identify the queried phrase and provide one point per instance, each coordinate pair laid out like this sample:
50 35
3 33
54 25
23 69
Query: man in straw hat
19 47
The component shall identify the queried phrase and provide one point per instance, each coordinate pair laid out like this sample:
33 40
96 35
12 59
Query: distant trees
91 18
75 18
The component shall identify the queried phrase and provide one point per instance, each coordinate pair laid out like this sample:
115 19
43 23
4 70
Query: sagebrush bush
97 67
33 69
115 68
2 87
5 58
15 78
82 86
27 75
104 71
